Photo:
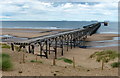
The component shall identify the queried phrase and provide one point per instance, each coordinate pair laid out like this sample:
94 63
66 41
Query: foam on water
108 33
6 36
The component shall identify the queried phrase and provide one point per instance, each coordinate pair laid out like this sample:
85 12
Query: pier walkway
66 39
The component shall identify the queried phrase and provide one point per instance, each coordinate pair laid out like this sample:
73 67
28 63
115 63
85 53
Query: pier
67 39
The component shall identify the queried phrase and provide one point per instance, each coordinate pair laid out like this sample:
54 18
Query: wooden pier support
55 48
71 41
62 45
74 42
67 41
32 48
12 46
72 38
41 49
29 49
24 49
46 52
49 46
20 48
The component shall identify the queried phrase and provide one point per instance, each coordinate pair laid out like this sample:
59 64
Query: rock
20 62
56 71
20 71
54 74
65 66
88 70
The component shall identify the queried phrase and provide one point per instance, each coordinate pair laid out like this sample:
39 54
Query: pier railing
70 39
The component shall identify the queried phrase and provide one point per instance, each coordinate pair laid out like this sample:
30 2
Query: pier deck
71 38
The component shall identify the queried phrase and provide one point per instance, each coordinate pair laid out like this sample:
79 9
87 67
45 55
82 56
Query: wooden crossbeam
70 38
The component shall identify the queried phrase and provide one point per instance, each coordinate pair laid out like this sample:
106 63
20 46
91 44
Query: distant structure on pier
94 21
61 40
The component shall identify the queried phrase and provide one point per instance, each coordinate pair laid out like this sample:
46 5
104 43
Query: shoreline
32 29
83 62
39 32
23 33
29 33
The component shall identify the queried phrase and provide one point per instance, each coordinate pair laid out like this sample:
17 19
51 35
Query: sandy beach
29 33
84 65
75 38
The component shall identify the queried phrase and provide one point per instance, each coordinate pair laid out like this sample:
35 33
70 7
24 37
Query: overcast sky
36 10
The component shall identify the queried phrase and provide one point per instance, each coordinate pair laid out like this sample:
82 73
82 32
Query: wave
109 32
6 36
37 27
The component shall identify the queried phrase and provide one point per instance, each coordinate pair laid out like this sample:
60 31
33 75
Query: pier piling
71 38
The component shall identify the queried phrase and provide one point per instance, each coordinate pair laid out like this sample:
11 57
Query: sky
37 10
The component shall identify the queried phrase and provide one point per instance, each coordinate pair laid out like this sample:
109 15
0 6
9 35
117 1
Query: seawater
111 28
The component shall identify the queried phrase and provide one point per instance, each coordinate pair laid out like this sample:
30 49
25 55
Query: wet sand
84 65
106 40
29 33
100 37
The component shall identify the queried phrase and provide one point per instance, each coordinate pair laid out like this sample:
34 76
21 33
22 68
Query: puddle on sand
7 38
87 44
100 44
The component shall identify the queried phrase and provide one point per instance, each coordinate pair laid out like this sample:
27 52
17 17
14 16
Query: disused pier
68 39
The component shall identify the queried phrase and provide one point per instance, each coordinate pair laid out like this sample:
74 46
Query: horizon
52 21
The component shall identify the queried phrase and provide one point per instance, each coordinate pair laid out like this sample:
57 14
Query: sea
111 28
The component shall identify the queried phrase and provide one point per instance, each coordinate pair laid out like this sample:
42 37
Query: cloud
5 17
67 5
73 11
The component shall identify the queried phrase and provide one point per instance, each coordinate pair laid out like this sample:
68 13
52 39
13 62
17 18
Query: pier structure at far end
63 40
